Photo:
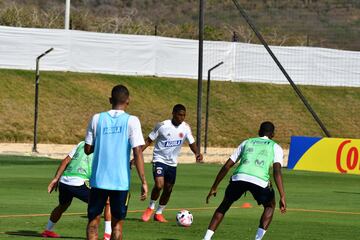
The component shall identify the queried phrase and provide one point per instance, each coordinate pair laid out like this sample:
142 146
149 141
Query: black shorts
118 203
67 193
166 171
236 189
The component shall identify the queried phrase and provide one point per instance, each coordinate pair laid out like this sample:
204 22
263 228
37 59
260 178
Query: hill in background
321 23
68 100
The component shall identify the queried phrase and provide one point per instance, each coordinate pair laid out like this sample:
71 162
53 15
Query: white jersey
278 158
168 141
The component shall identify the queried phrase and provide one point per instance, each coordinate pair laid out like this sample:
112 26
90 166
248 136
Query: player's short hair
119 94
178 108
266 128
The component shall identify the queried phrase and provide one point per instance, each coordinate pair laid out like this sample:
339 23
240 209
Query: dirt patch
59 151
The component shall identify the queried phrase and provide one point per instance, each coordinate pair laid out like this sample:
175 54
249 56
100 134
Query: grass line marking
178 209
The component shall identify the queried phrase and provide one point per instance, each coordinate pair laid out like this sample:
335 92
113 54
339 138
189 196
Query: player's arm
90 135
220 176
88 149
279 184
139 164
148 142
54 182
194 149
192 145
137 140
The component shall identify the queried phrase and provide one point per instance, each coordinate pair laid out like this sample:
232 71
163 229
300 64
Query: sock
50 225
160 209
152 204
108 227
208 235
260 234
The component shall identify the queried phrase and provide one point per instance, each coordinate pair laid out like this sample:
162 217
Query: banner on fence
338 155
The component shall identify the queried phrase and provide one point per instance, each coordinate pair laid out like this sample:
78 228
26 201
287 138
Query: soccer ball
184 218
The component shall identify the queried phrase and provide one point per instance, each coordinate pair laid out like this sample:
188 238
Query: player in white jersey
169 136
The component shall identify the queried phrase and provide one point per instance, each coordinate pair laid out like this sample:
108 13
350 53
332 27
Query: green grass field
68 100
320 206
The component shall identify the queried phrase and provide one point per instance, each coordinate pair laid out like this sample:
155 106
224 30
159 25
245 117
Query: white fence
159 56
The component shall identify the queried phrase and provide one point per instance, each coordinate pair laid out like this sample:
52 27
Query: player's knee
93 214
63 207
273 203
168 189
270 205
158 186
224 207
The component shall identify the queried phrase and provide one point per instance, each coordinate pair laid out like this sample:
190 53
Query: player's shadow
133 219
346 192
27 233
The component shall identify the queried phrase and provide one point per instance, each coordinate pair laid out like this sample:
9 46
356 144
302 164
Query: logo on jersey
245 161
181 135
159 170
250 150
260 142
259 163
112 130
172 143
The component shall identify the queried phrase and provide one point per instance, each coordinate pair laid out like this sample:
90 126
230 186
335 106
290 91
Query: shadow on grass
126 219
26 233
133 219
346 192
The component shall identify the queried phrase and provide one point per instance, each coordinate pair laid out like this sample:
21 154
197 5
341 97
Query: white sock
50 225
208 235
160 209
260 234
108 227
152 204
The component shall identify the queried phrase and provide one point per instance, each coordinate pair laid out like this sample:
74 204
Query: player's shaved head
178 108
267 129
119 95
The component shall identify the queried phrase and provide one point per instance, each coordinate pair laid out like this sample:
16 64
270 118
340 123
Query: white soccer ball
184 218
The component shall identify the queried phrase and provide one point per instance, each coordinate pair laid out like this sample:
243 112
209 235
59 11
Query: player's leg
265 197
65 198
165 196
232 193
158 186
169 182
118 206
158 174
97 201
107 217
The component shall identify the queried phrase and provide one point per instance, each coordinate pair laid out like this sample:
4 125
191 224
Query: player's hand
132 163
144 191
212 192
282 205
199 158
53 185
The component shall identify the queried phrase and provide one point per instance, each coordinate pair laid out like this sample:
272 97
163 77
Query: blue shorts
118 203
166 171
67 193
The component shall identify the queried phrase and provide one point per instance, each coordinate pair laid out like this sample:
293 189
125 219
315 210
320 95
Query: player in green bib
70 178
255 157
